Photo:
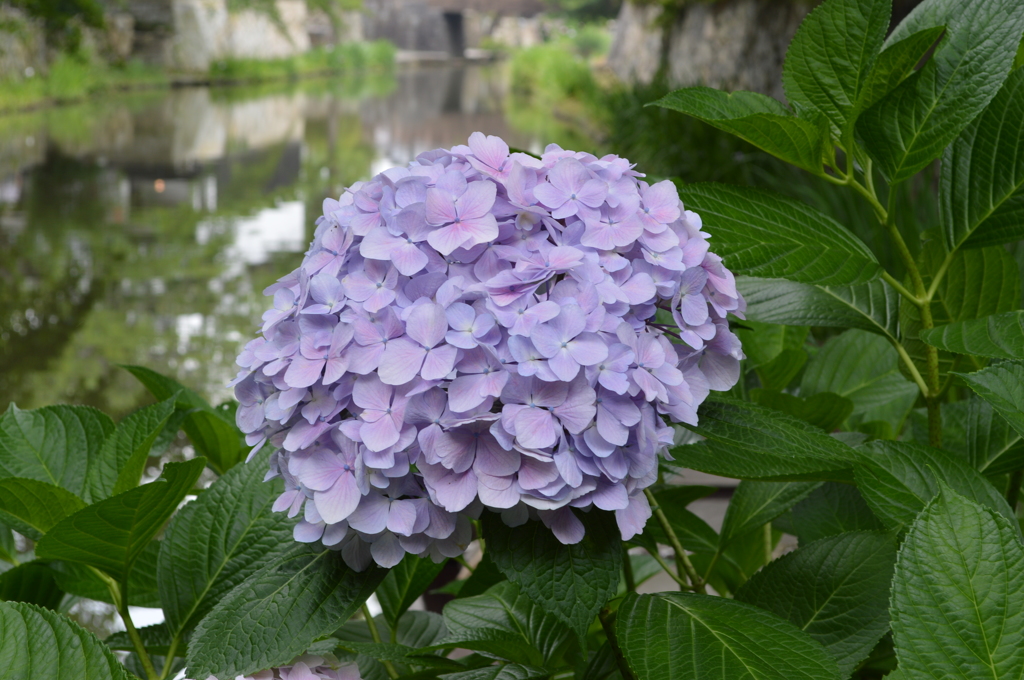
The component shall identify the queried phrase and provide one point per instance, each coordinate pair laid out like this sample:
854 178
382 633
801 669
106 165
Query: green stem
911 368
900 288
681 556
117 594
627 571
375 634
169 659
769 544
1013 490
711 564
668 570
464 562
608 623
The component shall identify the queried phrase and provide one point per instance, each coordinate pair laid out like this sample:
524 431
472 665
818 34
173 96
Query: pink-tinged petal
567 209
566 527
304 532
490 150
535 428
427 324
401 361
592 193
568 175
408 258
371 393
588 349
563 365
439 362
479 230
640 289
477 200
633 517
319 472
651 387
448 239
379 434
387 551
338 502
440 208
371 517
303 372
549 195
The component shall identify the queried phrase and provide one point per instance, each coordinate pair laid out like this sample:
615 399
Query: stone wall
22 46
730 44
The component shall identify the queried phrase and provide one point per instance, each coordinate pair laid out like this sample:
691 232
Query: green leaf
31 582
830 56
398 653
671 636
276 613
754 504
572 582
483 577
999 336
910 126
895 63
763 342
1002 386
780 371
760 120
509 671
836 590
156 639
39 643
694 533
33 507
761 233
958 594
122 457
825 410
898 479
746 441
409 579
993 446
53 444
8 549
862 367
415 629
78 579
981 198
111 534
872 307
214 437
832 509
506 623
218 540
978 283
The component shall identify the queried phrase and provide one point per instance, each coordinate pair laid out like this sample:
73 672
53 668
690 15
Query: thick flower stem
608 623
169 659
375 634
117 594
681 557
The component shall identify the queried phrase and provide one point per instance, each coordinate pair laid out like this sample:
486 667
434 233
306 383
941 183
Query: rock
256 35
22 46
199 35
635 54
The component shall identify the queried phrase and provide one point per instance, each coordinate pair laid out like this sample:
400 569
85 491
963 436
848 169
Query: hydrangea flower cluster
485 329
306 667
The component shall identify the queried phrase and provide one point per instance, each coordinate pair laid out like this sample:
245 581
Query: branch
681 556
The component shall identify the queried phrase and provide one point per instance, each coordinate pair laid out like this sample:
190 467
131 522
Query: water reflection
143 228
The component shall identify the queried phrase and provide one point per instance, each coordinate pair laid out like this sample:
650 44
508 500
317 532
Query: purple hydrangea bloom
485 329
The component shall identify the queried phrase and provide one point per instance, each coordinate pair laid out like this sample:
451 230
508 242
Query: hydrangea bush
481 329
493 374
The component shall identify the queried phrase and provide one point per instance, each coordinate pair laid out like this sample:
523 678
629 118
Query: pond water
142 228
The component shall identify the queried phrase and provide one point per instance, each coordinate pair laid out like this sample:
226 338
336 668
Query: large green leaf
213 435
406 581
761 233
78 579
509 671
830 56
1002 386
993 446
910 126
276 613
33 507
863 367
760 120
39 643
31 582
871 306
981 199
835 589
53 444
507 623
755 503
8 548
895 63
122 458
978 283
415 629
824 410
1000 336
220 539
832 509
672 636
111 534
898 479
694 533
764 342
747 441
572 582
958 594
